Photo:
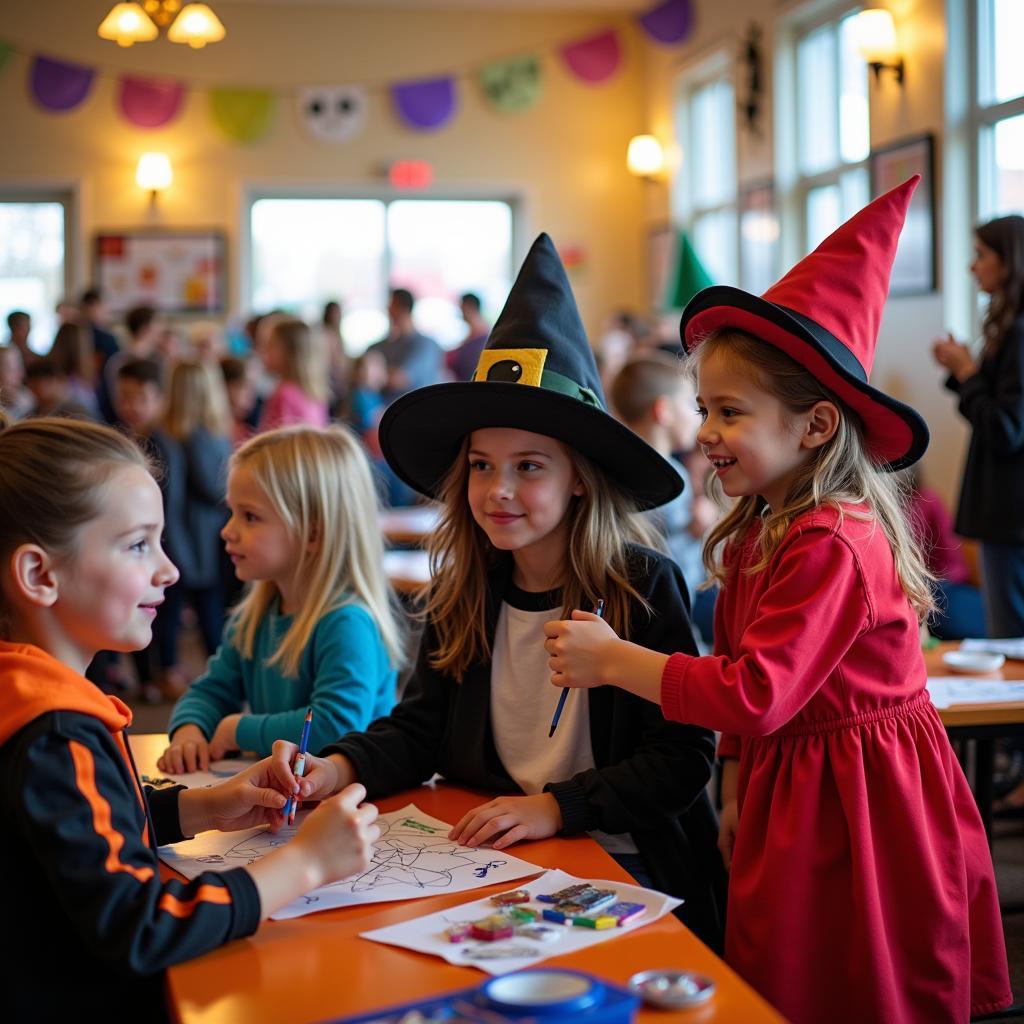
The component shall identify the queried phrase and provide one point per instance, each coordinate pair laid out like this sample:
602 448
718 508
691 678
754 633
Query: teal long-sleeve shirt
344 674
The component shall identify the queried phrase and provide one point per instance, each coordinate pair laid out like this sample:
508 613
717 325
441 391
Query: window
999 108
305 251
832 127
705 191
32 264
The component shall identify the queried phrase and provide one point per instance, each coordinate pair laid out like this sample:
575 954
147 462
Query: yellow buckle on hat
511 365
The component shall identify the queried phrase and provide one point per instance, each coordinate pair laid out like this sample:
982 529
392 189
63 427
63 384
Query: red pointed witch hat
824 314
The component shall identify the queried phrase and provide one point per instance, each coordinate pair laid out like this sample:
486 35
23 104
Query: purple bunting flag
58 86
669 22
594 59
425 105
150 102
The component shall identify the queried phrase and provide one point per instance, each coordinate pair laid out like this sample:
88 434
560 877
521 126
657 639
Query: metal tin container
672 990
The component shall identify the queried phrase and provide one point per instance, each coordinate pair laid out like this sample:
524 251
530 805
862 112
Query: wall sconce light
645 158
875 34
153 174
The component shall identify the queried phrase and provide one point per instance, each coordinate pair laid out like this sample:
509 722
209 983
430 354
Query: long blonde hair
306 362
602 522
321 485
838 474
197 397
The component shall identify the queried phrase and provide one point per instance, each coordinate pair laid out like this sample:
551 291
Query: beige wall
564 159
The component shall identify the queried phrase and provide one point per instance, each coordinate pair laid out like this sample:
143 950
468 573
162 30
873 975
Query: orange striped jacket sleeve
81 812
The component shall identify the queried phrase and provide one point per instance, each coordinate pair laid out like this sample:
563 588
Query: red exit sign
411 174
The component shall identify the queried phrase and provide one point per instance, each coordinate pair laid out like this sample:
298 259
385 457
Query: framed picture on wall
174 271
913 270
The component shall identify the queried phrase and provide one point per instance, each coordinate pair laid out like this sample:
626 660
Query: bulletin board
173 271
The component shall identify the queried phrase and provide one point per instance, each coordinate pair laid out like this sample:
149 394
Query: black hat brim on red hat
421 432
895 435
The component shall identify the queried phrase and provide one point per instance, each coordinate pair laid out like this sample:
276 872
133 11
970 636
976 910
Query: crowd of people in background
191 396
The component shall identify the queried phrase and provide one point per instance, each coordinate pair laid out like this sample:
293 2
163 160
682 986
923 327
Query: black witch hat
536 373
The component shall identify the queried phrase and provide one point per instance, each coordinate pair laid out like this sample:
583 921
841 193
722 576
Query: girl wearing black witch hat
539 489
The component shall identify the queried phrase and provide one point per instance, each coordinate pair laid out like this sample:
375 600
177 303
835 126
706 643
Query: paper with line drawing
413 857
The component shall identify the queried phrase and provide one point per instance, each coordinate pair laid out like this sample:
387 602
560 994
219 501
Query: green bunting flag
512 85
244 115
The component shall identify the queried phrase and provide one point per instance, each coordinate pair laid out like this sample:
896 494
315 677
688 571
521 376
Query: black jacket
650 775
90 924
992 401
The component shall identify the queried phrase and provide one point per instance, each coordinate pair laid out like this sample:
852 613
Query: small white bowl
973 662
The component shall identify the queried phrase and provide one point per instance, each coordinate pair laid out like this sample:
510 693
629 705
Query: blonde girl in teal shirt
318 626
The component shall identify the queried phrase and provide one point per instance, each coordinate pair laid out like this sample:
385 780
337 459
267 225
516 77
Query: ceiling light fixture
194 24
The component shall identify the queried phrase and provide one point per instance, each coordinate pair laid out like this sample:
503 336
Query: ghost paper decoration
332 113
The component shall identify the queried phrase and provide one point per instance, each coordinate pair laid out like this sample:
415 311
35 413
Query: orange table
317 968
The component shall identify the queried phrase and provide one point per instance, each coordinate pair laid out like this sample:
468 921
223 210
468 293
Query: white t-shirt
523 703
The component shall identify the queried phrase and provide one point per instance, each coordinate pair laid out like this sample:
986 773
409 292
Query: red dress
861 887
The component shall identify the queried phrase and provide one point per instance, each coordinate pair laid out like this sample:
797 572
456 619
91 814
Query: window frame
253 193
804 24
66 194
984 115
718 66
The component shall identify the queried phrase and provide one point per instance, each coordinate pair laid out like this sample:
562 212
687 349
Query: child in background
198 419
861 886
318 626
140 403
50 390
959 611
242 399
539 516
296 358
16 400
72 352
82 569
655 400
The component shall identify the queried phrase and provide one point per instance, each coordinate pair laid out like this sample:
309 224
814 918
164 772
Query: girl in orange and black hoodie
82 570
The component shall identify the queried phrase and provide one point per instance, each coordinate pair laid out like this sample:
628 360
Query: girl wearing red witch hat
861 886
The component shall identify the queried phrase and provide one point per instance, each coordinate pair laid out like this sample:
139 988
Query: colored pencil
300 766
599 612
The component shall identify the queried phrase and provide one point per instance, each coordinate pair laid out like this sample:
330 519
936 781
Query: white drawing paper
427 934
949 690
217 772
412 858
1012 647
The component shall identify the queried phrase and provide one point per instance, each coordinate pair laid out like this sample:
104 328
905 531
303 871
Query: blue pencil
300 767
599 612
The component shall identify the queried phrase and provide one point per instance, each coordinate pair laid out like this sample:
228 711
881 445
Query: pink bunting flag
594 59
669 22
425 105
58 86
149 102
